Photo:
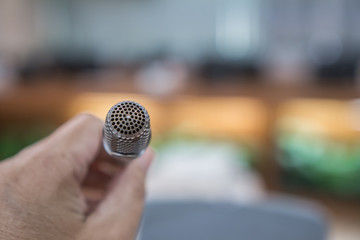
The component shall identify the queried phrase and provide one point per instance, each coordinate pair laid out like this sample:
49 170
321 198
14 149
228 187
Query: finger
93 197
102 171
100 176
70 149
119 214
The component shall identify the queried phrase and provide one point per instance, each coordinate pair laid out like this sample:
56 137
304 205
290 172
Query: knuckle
138 191
137 186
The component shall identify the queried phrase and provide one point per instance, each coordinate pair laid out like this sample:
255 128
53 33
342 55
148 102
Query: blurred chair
278 219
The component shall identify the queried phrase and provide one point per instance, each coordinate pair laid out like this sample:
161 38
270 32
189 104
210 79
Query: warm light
224 117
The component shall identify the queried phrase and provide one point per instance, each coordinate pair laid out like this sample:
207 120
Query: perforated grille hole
128 118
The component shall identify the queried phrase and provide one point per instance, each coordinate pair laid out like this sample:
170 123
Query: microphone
126 132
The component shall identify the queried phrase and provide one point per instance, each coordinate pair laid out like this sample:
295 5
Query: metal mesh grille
127 128
128 118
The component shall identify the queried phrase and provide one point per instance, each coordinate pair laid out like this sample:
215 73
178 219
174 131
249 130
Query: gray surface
225 221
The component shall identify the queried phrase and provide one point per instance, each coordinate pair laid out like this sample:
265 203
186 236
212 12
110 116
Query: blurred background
247 98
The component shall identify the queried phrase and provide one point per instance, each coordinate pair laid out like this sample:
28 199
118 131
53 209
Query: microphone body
127 132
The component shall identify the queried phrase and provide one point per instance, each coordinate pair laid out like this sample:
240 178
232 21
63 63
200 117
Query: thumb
118 216
66 152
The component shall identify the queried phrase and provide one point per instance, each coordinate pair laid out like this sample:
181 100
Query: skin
65 187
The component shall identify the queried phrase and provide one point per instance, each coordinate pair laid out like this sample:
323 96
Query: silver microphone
126 132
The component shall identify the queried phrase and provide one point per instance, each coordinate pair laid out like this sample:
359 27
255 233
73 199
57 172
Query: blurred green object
245 153
15 138
319 162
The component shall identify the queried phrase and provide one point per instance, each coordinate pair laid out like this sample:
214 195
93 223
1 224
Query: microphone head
126 132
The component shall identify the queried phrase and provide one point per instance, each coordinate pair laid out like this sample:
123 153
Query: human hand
41 193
